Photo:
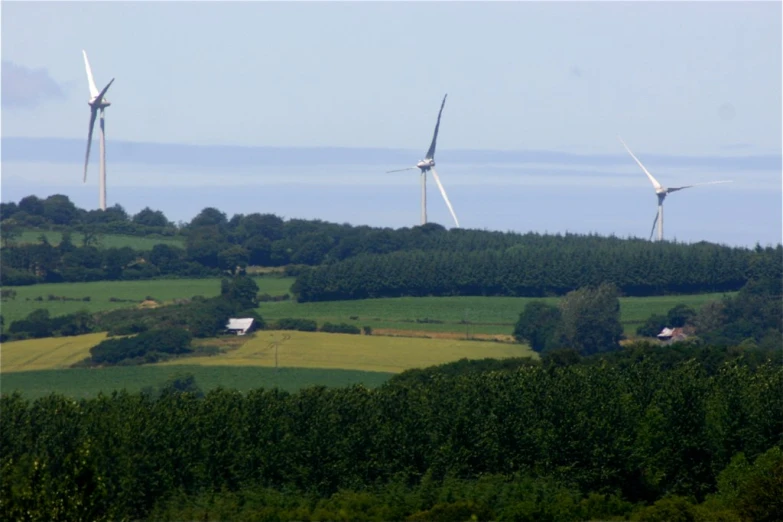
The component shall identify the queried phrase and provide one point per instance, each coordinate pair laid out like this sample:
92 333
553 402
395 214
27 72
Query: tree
711 317
10 230
32 205
209 217
652 326
537 325
233 259
7 210
242 289
151 218
680 315
591 319
181 383
60 210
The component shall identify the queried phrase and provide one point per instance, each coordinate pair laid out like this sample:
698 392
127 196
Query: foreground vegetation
643 432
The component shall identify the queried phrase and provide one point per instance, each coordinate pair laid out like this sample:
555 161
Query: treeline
356 262
561 440
538 267
59 212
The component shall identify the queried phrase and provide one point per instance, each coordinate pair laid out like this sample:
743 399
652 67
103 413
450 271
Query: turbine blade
93 114
445 197
652 179
400 170
103 92
674 189
655 221
431 152
90 80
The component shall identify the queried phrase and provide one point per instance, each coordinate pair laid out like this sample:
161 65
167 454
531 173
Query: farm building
240 326
672 335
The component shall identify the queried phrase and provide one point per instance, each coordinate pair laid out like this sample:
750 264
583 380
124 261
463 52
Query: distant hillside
341 261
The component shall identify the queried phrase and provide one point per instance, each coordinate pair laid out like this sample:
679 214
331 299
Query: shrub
147 345
302 325
340 328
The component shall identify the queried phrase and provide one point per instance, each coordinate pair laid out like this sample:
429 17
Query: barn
240 326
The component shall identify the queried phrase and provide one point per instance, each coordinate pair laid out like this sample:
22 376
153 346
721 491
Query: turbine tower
97 102
661 192
427 164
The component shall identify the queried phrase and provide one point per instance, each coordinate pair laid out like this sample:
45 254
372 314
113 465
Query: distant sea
522 191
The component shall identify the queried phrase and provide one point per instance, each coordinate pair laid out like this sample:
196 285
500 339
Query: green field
83 382
486 315
103 240
100 293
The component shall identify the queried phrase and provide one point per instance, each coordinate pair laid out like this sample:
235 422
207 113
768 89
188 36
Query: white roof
239 324
666 332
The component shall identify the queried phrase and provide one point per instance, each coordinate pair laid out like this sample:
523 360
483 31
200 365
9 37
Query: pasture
87 382
102 240
465 316
483 315
126 294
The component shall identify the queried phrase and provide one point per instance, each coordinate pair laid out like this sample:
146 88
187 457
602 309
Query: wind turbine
661 192
97 102
427 164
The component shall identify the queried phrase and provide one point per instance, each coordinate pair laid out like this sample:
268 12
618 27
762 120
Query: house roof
239 324
666 332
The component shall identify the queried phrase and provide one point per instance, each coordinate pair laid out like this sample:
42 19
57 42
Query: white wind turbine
428 163
661 192
97 102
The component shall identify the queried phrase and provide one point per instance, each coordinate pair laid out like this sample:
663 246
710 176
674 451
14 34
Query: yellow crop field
294 350
353 352
46 354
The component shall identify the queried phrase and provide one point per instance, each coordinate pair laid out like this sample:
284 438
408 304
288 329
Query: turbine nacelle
98 104
426 164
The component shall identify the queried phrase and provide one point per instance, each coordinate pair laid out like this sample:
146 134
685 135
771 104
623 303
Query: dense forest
354 262
692 434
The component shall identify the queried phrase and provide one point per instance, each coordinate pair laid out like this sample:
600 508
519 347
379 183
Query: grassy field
37 367
486 315
46 354
83 382
101 291
354 352
104 240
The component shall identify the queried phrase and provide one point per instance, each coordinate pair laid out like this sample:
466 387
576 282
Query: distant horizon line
67 150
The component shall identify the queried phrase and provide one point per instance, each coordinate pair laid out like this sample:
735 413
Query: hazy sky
673 78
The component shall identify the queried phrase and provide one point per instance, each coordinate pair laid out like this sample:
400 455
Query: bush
147 345
367 330
302 325
340 328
